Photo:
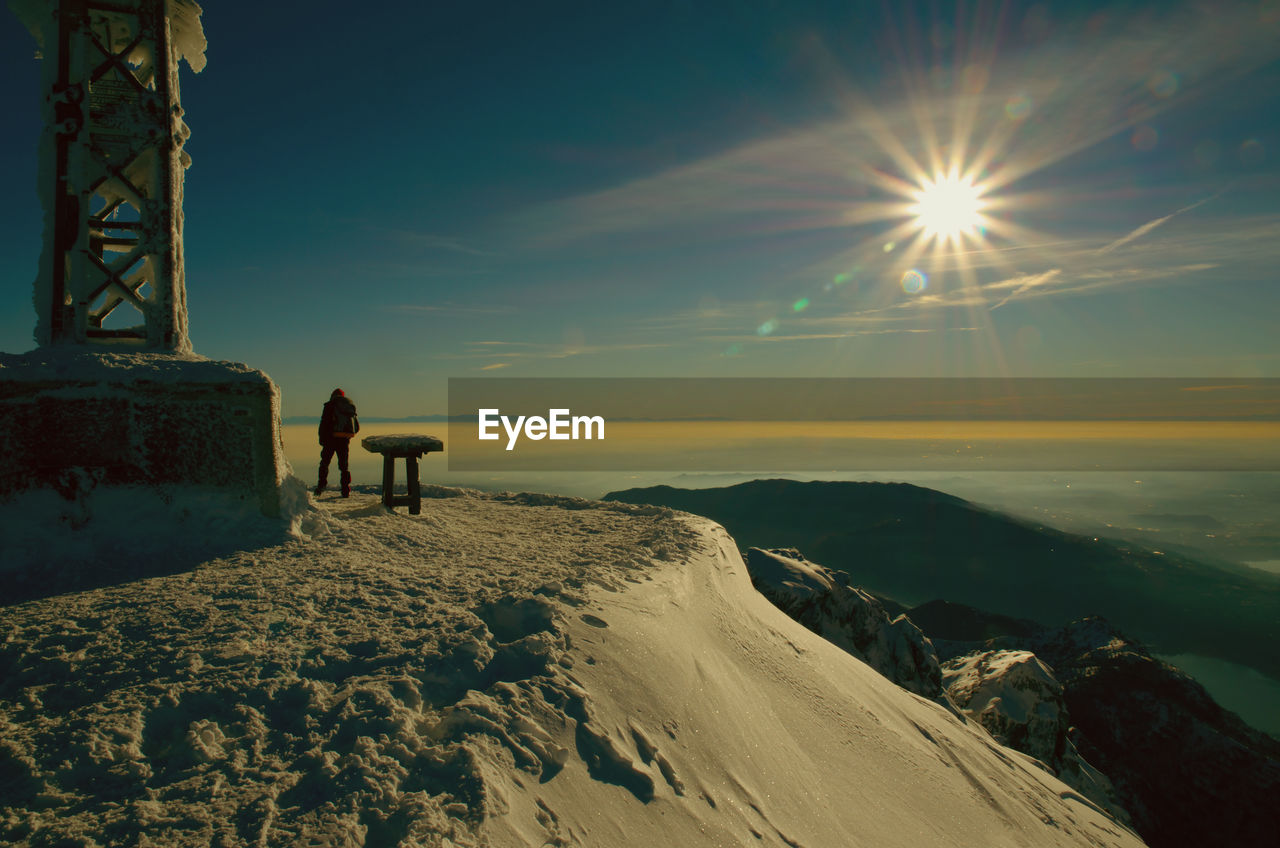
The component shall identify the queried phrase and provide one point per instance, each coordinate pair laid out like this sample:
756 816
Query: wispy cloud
744 321
1220 388
786 338
451 309
436 241
1022 284
1052 282
1150 225
512 352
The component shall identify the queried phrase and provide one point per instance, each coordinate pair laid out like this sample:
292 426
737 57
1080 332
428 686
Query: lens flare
1252 152
914 281
1163 83
1144 138
1018 107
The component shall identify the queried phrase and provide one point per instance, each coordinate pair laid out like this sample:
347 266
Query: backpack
345 423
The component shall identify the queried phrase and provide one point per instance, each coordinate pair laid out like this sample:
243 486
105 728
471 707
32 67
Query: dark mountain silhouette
956 629
962 622
915 544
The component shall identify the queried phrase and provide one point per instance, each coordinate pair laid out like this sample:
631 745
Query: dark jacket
338 413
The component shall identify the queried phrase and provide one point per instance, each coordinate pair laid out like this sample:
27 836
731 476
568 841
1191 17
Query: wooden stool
410 447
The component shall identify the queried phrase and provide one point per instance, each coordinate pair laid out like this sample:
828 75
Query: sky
384 198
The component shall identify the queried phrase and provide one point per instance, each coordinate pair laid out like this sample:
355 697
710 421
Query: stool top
401 444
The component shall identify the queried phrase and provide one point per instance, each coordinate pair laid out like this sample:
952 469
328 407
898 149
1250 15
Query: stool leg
388 479
415 491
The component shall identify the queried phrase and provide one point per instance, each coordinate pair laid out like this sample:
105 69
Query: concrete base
68 416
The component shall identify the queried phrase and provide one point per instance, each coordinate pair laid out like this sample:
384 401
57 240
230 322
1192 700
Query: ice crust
101 368
188 33
83 422
184 22
401 443
502 670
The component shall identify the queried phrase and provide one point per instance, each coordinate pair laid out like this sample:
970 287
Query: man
338 424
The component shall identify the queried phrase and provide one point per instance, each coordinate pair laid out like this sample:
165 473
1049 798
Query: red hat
338 393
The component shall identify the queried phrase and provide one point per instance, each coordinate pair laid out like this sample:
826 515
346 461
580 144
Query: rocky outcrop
1189 772
1016 697
823 601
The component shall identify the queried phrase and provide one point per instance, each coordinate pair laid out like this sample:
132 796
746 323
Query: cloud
738 322
521 351
451 309
436 241
1055 282
1220 388
494 366
993 294
1151 225
867 318
814 337
701 319
1021 285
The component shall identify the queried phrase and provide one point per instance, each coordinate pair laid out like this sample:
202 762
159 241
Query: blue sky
381 199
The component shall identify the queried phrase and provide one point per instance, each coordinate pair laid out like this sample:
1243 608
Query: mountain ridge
915 544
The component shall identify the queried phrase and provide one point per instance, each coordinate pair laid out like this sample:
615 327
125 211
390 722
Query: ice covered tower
113 401
111 170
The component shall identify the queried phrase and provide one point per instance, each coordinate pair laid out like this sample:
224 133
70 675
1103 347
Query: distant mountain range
914 544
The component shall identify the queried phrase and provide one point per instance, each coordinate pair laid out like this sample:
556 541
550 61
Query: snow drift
503 670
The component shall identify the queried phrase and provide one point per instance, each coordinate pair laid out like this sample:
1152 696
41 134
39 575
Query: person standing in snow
338 424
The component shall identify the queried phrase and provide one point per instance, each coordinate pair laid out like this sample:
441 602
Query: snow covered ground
502 669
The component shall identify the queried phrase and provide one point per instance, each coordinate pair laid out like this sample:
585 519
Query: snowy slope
505 670
846 616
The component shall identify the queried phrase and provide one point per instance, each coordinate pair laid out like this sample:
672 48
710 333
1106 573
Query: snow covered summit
501 670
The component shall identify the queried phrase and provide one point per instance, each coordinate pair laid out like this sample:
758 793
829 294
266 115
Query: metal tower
113 190
105 403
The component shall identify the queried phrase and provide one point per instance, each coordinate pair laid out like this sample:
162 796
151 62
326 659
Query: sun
948 207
